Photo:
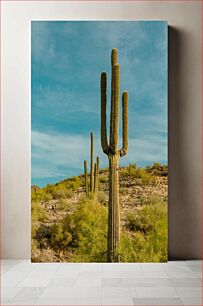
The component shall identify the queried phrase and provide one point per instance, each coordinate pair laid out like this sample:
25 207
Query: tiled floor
172 283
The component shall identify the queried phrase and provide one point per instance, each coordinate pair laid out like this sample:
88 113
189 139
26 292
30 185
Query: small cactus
96 176
86 179
92 163
92 188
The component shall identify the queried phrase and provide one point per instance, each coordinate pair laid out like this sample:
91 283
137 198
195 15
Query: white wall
184 112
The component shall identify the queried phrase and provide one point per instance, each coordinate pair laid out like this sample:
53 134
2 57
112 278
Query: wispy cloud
56 155
43 47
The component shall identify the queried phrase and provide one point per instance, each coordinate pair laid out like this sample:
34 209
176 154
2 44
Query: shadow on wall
185 229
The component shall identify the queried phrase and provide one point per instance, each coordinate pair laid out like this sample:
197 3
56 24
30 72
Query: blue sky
67 60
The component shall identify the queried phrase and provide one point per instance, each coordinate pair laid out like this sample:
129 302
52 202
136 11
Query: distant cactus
96 176
92 187
92 163
112 151
86 179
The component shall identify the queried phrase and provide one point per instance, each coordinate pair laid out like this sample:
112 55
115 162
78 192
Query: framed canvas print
99 141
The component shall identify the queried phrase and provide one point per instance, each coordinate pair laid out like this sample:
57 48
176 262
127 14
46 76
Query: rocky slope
138 187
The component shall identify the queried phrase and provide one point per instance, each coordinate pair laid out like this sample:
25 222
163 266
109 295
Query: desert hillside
68 226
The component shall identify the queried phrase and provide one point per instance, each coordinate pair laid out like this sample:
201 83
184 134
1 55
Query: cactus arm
114 60
124 149
116 107
104 140
92 163
98 165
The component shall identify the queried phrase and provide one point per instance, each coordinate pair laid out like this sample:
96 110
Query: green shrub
102 178
143 178
59 237
83 233
59 193
102 197
48 197
150 200
146 236
37 195
38 213
122 190
88 226
74 183
64 204
157 169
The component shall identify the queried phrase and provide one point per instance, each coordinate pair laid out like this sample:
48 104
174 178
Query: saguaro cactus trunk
112 151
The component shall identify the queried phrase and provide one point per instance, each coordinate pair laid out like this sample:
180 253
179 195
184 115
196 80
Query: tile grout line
175 289
21 279
46 286
180 298
102 283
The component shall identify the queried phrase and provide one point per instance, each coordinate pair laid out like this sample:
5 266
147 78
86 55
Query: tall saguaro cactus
112 151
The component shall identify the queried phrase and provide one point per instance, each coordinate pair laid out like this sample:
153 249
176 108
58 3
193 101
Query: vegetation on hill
67 226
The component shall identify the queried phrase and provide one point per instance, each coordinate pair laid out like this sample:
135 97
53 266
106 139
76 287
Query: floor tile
89 279
6 268
112 282
14 276
9 292
12 261
97 282
117 301
151 267
122 274
94 267
155 274
198 274
178 274
27 292
185 282
122 266
69 271
40 276
192 301
4 301
157 301
90 275
73 292
189 291
116 292
69 301
154 292
177 268
22 301
61 282
147 282
196 268
193 262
